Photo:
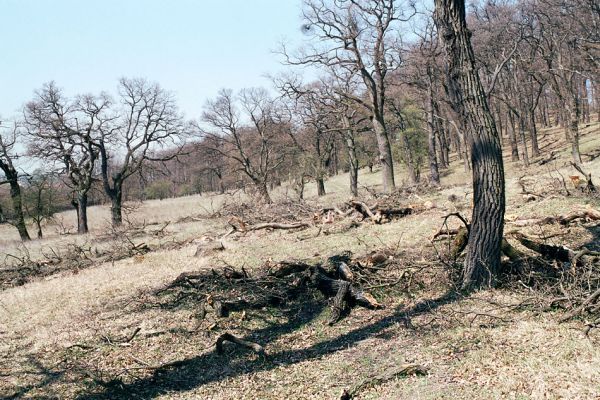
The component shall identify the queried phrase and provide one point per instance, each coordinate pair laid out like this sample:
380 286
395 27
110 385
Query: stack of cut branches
341 279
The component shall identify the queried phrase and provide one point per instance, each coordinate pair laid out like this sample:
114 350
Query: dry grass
59 335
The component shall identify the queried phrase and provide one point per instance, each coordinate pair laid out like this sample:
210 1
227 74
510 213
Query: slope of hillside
103 330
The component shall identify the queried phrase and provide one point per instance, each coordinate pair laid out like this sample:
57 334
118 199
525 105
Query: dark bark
385 154
353 164
535 148
12 178
320 186
116 206
434 174
524 152
469 99
411 167
512 138
82 223
263 191
15 196
572 108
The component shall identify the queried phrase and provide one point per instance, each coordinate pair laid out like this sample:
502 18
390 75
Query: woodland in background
384 94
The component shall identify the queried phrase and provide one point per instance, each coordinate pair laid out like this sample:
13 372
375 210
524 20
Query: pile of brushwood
19 266
342 280
297 216
566 277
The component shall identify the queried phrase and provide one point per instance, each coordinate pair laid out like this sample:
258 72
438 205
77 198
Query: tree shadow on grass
190 373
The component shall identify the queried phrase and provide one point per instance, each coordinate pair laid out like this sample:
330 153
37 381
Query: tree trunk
572 109
116 205
535 148
320 186
483 256
514 148
353 164
263 191
385 154
15 196
434 174
38 223
523 141
82 223
410 162
444 143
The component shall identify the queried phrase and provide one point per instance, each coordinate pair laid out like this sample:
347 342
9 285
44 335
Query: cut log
559 253
228 337
345 272
330 287
275 225
587 302
339 304
460 242
365 211
589 214
205 249
509 251
389 374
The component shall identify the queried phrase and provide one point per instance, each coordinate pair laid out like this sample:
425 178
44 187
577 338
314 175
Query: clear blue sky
191 47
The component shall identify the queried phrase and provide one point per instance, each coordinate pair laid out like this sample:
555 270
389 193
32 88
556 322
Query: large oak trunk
469 99
82 225
116 207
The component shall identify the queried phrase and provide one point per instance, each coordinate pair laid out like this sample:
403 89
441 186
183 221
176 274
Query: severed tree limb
366 211
228 337
389 374
445 232
345 272
460 242
591 298
331 287
238 225
509 251
339 304
275 225
590 187
559 253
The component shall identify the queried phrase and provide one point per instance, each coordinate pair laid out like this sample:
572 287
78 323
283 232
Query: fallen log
559 253
460 242
587 302
589 187
331 287
238 225
366 211
228 337
389 374
205 249
588 215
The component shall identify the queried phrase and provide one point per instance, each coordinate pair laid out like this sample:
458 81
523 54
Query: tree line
391 82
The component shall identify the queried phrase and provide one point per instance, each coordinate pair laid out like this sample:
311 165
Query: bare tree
39 198
146 122
357 39
8 141
469 99
255 146
65 131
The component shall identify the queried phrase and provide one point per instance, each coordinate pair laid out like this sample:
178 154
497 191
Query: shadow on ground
187 374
